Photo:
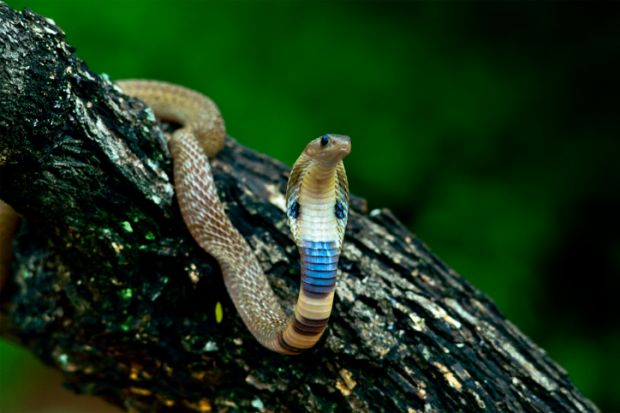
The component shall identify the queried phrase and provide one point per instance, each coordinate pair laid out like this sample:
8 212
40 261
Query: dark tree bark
108 286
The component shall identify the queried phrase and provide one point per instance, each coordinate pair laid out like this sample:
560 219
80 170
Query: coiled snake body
317 209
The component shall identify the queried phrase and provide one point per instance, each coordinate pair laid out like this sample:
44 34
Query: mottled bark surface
107 285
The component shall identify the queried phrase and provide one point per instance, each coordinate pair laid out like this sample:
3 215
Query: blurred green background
490 129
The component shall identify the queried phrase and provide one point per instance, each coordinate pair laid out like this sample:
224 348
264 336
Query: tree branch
108 286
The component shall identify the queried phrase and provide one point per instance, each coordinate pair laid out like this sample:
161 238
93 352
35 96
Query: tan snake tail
317 209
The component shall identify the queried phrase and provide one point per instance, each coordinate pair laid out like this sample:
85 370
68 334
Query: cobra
317 201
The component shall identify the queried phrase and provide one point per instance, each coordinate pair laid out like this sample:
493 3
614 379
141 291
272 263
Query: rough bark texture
108 286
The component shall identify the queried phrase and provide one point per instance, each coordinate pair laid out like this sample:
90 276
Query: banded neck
319 264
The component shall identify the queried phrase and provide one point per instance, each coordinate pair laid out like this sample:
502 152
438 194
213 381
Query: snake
316 204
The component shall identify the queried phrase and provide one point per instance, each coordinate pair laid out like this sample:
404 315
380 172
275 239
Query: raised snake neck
317 209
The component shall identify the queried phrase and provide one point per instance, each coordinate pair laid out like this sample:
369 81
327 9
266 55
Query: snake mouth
343 152
342 145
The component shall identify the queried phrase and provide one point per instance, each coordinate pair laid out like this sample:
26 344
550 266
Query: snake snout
342 144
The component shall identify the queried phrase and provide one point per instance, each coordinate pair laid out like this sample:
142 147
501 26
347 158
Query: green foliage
486 128
15 365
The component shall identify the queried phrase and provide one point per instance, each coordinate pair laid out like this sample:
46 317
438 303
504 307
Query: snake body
317 210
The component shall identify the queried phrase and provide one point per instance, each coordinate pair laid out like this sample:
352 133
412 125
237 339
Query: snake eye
324 140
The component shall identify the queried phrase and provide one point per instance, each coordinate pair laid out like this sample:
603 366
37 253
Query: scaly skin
317 203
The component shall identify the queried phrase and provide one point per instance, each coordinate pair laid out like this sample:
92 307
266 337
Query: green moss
126 326
127 226
219 312
258 404
126 293
63 359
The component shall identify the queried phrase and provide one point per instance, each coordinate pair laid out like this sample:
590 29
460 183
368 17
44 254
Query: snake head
328 149
318 181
